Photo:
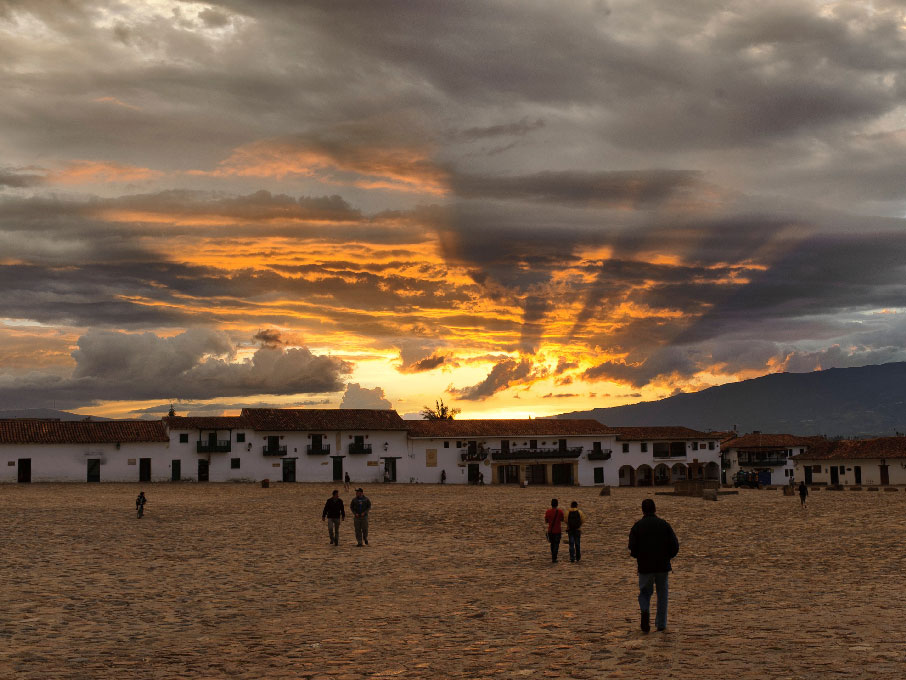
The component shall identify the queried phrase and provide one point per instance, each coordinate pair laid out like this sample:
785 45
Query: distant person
443 476
334 513
803 494
346 481
481 479
575 518
553 521
653 544
360 506
140 504
386 475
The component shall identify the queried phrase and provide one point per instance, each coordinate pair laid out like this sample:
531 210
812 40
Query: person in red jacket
553 521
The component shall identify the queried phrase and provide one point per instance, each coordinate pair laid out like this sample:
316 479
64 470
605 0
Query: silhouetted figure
653 544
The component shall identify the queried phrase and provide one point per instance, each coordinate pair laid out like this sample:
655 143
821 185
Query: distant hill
46 413
851 402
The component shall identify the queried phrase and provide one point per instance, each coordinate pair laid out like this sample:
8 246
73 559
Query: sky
521 208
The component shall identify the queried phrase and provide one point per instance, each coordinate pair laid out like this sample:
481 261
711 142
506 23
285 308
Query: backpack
573 520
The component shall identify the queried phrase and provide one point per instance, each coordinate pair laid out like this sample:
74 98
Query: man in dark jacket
653 544
360 506
334 513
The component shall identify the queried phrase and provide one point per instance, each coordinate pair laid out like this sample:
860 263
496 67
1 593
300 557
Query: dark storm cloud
635 189
517 129
505 374
18 179
196 364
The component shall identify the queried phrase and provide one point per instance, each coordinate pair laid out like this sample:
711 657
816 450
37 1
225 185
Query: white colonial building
322 445
538 451
649 456
873 462
768 455
82 451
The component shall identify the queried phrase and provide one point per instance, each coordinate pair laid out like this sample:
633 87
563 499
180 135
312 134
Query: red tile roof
662 433
536 427
81 431
762 440
206 423
884 447
322 419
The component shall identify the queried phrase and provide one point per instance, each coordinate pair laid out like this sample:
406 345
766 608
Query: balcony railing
321 450
764 462
528 454
473 456
599 455
220 446
274 450
359 449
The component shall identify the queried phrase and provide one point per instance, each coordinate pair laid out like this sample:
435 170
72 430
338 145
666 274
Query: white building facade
870 462
656 456
770 456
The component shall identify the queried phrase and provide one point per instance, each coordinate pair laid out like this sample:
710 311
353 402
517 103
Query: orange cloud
367 167
91 172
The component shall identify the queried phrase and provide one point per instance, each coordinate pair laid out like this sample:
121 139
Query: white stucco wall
68 462
871 471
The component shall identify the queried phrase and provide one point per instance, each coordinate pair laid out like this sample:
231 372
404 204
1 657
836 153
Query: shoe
646 624
572 559
661 629
358 545
366 541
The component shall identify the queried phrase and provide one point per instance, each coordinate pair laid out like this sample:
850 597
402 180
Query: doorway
94 469
175 470
808 474
204 468
390 469
24 476
144 469
508 474
835 475
338 468
562 473
473 473
857 473
289 469
885 474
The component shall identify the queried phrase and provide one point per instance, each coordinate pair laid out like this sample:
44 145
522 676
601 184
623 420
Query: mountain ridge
863 401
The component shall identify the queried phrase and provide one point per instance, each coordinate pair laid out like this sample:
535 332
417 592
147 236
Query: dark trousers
555 545
575 547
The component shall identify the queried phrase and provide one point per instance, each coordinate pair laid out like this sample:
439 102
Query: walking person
140 504
803 494
653 544
443 476
575 518
334 513
553 521
359 507
346 481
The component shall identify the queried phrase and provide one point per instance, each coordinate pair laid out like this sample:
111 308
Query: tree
440 411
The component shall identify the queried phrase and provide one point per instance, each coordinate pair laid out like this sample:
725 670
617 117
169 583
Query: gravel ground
236 581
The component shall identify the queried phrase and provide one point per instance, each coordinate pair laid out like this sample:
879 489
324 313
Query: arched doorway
644 476
627 476
661 475
712 471
678 472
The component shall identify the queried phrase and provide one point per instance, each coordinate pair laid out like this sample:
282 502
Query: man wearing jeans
334 513
653 544
359 507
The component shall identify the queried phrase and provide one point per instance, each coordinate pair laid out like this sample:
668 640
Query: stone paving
236 581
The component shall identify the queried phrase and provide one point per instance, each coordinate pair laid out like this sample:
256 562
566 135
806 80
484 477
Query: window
625 448
644 446
240 437
596 447
816 468
599 475
710 446
695 446
446 445
234 463
183 437
533 444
